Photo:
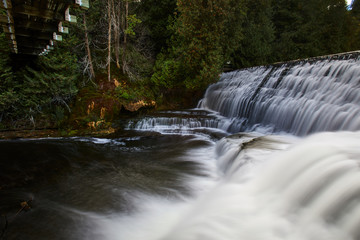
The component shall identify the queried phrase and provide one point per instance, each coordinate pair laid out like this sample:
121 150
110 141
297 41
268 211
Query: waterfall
275 182
298 97
283 152
270 153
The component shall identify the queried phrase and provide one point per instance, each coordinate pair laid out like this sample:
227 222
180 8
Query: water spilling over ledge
300 97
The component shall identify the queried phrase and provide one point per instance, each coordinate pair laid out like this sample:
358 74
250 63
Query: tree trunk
109 41
92 72
124 63
117 31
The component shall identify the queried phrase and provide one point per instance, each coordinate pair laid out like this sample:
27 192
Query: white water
263 187
298 98
286 188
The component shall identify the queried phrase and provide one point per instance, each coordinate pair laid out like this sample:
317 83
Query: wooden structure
33 26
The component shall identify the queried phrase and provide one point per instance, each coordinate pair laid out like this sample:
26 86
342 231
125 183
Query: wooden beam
69 17
29 51
37 26
57 37
22 32
40 13
63 29
33 25
34 45
84 4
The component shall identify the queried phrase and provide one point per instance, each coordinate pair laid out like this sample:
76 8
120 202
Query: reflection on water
70 178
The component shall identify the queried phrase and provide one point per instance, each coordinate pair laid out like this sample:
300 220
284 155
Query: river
269 153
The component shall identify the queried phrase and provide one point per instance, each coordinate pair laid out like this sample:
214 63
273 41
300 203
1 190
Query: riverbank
45 133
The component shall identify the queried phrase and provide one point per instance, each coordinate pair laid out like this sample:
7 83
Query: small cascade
298 97
180 122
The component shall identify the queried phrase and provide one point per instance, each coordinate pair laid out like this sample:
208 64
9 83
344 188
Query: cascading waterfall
271 184
301 98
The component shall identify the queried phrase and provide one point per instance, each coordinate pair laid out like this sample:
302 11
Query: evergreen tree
55 82
309 28
200 44
355 25
256 46
47 89
156 15
285 18
8 96
355 8
335 30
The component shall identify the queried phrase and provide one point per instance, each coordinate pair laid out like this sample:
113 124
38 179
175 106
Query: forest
124 55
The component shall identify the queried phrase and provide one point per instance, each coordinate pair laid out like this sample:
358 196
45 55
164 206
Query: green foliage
234 31
355 8
167 72
200 27
139 64
354 25
199 46
155 15
8 96
259 34
310 28
127 93
45 89
132 22
59 115
54 83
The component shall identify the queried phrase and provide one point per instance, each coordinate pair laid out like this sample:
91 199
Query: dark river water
74 181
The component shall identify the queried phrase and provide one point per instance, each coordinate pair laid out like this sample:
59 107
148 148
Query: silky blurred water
70 179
